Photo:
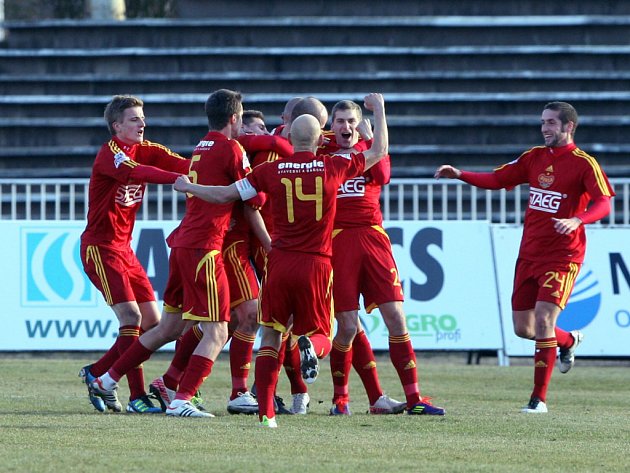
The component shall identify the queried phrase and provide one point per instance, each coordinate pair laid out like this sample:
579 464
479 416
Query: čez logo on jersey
52 273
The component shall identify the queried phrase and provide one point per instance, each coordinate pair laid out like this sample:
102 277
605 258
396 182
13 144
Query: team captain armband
245 189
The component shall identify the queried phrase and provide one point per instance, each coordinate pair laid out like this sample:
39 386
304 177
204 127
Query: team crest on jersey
545 180
120 158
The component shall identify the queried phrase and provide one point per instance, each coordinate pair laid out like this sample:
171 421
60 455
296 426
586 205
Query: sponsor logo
583 305
352 188
442 328
205 144
544 200
290 166
120 158
53 274
129 194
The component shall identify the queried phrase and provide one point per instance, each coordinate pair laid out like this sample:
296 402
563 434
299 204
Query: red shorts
298 284
117 273
240 273
542 281
364 264
197 285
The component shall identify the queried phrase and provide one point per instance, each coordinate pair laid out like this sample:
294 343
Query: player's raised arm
380 144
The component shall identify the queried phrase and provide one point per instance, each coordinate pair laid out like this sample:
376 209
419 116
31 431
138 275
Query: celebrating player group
282 233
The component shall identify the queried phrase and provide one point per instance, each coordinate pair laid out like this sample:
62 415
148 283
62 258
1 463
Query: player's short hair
249 115
347 105
220 106
115 109
567 113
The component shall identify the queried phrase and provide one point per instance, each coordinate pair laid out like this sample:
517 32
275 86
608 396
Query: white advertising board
600 303
49 303
445 268
449 284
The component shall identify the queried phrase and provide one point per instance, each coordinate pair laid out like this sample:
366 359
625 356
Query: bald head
311 106
305 133
288 110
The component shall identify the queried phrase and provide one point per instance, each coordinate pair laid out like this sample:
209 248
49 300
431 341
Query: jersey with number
561 181
303 191
259 149
114 197
216 161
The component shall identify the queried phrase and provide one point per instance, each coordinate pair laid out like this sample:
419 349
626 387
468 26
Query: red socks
240 361
544 361
364 363
266 378
404 360
340 362
183 351
198 369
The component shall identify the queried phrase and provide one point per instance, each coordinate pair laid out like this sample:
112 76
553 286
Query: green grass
47 424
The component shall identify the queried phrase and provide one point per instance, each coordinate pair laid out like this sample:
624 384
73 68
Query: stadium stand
465 81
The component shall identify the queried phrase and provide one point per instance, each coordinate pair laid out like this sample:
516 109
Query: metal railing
402 199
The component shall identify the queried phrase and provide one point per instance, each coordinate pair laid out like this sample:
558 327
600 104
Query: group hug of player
270 217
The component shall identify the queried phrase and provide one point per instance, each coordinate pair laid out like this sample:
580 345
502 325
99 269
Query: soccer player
285 116
363 264
289 355
243 286
562 180
241 275
298 280
121 170
197 288
254 123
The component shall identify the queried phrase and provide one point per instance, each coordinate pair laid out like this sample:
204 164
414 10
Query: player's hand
181 183
564 226
365 129
374 101
448 171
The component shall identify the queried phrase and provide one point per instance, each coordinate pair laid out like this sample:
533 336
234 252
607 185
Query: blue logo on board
52 273
583 305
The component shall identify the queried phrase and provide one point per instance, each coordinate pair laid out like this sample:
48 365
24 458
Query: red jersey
263 149
216 161
562 181
303 191
358 199
114 197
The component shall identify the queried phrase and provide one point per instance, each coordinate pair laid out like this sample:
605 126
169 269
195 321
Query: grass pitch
48 425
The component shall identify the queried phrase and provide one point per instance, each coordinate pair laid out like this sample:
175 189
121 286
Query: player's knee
524 332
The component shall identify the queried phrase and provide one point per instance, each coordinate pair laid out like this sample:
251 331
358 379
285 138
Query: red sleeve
381 172
162 157
598 210
485 180
257 143
151 174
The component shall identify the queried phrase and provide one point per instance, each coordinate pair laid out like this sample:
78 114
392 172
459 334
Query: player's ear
320 140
